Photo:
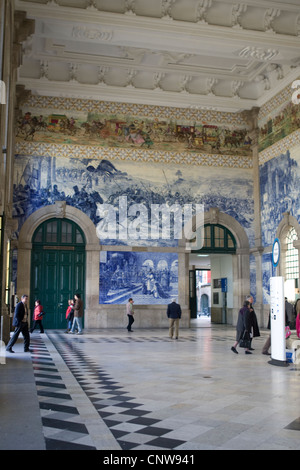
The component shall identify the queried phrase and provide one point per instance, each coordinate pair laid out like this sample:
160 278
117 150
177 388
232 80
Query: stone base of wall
217 316
6 328
114 316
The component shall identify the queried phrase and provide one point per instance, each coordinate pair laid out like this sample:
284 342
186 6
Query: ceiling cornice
125 57
173 28
131 94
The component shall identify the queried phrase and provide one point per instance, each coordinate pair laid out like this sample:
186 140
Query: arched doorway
57 268
224 240
61 210
217 240
205 304
288 233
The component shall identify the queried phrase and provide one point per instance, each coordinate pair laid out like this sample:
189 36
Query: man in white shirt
130 313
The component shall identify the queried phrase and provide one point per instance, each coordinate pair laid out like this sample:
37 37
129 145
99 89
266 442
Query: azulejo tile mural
133 154
280 147
280 125
93 154
84 106
149 278
282 174
113 125
119 131
279 187
87 184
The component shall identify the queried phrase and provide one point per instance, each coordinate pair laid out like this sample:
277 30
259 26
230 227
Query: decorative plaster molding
269 17
258 53
60 209
83 32
137 97
202 9
236 13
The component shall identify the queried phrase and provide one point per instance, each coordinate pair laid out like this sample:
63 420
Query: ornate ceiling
209 54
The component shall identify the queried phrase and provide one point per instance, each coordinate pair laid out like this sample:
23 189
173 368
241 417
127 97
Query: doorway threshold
200 322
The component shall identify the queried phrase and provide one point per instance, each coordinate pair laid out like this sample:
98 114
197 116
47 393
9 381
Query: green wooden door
57 269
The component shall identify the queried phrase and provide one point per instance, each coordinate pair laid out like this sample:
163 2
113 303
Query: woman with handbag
243 329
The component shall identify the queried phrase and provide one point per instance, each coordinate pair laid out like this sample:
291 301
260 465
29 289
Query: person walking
267 345
243 326
78 315
130 313
174 315
289 312
70 315
297 317
253 320
37 317
20 321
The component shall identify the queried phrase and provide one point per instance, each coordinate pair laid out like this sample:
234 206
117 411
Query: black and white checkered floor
110 390
61 421
62 425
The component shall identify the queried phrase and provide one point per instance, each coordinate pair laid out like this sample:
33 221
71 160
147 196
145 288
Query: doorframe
240 259
60 209
40 252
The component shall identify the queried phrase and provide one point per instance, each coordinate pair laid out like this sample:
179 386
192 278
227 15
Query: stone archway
61 210
240 260
288 221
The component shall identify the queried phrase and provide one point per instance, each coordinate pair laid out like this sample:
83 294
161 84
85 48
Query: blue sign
224 284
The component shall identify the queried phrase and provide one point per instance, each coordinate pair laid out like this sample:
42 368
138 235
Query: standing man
130 313
78 314
174 315
20 321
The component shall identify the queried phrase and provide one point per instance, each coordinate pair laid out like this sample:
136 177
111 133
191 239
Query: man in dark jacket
174 315
253 319
20 321
243 325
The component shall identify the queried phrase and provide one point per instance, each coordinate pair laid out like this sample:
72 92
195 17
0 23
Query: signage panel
278 353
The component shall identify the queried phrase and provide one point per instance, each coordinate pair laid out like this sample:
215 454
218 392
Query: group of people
246 327
74 317
20 322
173 313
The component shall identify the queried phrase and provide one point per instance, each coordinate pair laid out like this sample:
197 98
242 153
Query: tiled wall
279 122
92 153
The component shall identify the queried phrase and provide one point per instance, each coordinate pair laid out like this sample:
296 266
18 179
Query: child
70 315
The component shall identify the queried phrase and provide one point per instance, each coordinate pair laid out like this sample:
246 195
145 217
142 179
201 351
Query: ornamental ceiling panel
211 54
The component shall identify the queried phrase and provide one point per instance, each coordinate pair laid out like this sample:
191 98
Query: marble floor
114 390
